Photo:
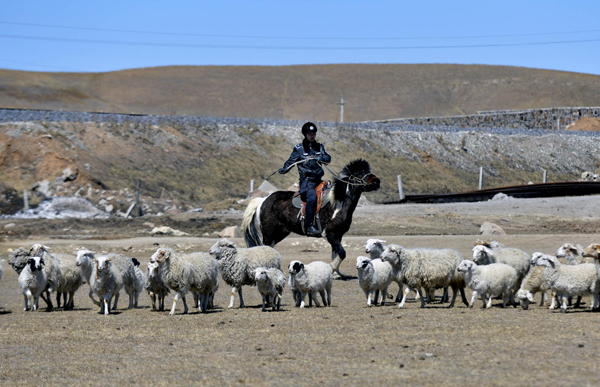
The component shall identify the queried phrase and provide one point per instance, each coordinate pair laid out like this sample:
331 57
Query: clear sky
107 35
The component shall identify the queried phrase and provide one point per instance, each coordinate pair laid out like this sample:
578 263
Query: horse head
358 173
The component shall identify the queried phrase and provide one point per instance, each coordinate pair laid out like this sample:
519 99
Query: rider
308 155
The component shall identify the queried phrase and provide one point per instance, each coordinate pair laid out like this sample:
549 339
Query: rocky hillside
210 164
371 92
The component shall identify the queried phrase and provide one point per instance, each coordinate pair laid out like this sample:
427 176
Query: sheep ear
42 262
29 261
551 263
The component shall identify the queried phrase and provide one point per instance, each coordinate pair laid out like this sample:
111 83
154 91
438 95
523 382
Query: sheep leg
314 296
116 301
406 291
264 303
29 300
328 297
91 294
383 296
242 298
107 298
577 303
376 297
185 307
302 297
563 307
36 300
322 292
369 299
542 300
431 295
400 293
417 294
473 298
153 299
47 300
58 294
423 297
26 302
454 294
233 291
596 302
446 295
553 300
489 302
175 299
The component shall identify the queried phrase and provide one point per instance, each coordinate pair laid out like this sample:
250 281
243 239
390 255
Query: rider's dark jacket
309 170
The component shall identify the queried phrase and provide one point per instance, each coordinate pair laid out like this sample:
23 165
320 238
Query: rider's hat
309 127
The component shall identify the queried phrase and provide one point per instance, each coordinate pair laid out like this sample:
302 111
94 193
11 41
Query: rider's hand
282 171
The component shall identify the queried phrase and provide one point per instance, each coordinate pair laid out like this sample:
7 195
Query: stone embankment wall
551 118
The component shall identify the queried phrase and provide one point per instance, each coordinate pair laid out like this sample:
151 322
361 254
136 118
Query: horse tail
251 223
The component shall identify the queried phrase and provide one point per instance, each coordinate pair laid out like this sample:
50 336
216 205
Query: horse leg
338 254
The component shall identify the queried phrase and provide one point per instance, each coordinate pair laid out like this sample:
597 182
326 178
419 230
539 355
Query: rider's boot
311 231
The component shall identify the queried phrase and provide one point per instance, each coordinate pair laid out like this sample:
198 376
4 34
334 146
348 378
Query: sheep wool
106 282
155 286
270 283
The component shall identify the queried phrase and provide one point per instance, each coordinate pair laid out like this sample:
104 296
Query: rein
352 180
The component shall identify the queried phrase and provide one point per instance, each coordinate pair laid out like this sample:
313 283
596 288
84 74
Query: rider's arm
294 157
323 156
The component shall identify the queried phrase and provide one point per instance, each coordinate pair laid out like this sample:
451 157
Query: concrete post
480 177
545 174
400 190
25 200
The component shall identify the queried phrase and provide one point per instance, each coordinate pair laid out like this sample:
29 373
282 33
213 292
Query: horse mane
338 192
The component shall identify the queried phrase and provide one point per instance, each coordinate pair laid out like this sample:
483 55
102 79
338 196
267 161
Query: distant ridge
371 92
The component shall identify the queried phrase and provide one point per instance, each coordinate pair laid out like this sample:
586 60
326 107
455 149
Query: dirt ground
347 343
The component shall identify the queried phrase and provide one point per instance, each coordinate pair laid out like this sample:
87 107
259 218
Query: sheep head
260 274
569 251
152 269
392 253
217 249
373 245
161 255
35 263
362 263
540 259
592 251
482 254
84 256
466 265
295 267
38 250
102 262
18 259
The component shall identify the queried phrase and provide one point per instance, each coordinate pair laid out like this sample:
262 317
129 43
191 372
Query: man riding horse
307 156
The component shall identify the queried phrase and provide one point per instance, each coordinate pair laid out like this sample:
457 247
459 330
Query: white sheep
54 275
32 280
85 263
518 259
489 280
270 283
72 280
106 281
424 268
574 254
376 247
374 276
155 286
315 277
534 282
569 280
238 265
196 272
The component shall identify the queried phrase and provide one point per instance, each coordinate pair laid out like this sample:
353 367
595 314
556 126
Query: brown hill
371 92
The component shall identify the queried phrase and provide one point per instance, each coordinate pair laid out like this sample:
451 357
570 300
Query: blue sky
98 36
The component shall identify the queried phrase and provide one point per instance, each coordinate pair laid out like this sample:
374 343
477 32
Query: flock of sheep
495 270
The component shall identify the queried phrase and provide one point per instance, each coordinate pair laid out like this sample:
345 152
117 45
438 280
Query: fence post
400 190
545 174
137 198
480 178
25 200
251 187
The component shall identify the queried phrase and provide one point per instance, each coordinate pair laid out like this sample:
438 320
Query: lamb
534 282
374 276
489 280
574 254
33 282
54 275
518 259
428 268
196 272
238 265
316 277
106 281
569 280
270 283
155 286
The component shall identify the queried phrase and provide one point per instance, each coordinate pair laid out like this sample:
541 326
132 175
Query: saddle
322 198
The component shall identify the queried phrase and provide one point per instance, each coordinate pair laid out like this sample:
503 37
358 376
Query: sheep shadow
5 311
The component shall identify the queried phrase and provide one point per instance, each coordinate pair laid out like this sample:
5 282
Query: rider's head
309 130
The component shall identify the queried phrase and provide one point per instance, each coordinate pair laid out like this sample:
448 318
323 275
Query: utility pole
341 103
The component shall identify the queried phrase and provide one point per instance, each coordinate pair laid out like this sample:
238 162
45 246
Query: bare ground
347 343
